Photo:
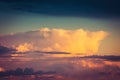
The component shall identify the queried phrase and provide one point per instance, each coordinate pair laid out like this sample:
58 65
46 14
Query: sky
59 31
22 16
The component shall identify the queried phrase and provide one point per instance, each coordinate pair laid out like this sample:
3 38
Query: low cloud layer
73 41
74 68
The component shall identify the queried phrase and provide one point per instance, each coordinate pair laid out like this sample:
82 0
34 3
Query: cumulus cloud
73 41
24 47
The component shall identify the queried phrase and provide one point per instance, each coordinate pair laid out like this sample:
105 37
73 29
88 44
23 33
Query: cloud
109 58
56 40
74 68
24 47
4 50
92 68
2 69
56 52
86 69
63 8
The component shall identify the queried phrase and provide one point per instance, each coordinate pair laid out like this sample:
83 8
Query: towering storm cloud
73 41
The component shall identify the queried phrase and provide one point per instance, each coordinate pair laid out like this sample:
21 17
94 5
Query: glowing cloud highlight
73 41
2 69
24 47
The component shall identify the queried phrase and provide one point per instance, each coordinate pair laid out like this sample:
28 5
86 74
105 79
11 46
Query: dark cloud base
109 57
4 50
90 8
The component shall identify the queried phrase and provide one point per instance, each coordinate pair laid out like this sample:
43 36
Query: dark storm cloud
64 7
4 50
56 52
110 57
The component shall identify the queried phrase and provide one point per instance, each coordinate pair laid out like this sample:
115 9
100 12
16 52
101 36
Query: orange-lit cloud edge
77 41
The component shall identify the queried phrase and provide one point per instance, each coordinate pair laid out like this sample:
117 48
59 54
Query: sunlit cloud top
62 40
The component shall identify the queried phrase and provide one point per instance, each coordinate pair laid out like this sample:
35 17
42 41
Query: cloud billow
61 40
